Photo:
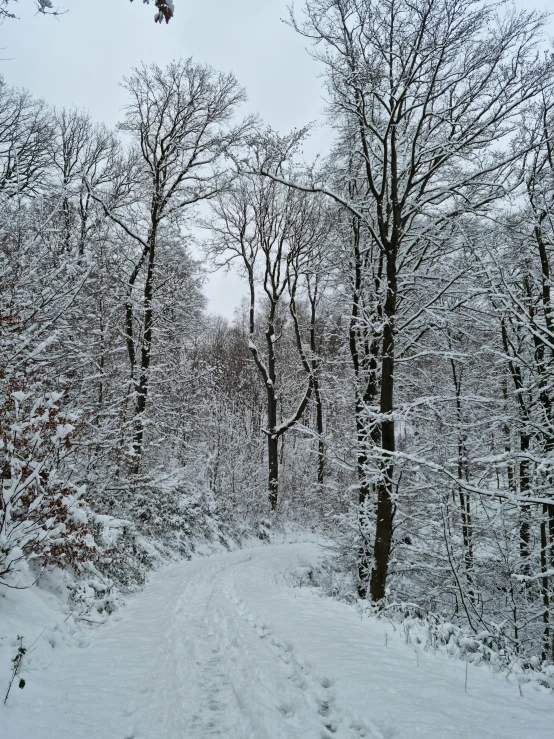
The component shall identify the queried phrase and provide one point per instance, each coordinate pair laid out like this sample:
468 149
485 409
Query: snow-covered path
222 647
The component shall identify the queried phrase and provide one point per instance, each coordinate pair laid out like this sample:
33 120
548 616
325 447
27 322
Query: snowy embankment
222 646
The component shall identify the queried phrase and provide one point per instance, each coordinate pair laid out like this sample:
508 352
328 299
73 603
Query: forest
386 383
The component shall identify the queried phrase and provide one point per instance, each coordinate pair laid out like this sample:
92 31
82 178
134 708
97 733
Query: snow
224 646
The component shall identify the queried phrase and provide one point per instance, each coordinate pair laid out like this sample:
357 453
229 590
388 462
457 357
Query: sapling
16 668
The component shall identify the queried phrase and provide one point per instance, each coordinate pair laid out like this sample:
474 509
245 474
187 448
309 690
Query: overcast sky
80 57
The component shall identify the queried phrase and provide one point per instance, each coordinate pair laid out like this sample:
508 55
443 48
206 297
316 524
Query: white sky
80 57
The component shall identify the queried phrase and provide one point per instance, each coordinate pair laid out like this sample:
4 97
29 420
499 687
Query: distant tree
26 130
273 232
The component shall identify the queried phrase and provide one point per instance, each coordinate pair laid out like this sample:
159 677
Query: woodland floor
223 646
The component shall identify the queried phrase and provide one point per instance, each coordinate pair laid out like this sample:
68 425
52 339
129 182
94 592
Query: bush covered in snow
44 521
425 629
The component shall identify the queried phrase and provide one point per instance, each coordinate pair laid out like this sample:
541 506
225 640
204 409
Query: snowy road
222 647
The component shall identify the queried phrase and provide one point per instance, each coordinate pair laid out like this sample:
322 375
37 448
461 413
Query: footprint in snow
324 708
286 709
300 674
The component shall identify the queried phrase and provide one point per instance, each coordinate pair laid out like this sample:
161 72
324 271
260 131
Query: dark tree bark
462 473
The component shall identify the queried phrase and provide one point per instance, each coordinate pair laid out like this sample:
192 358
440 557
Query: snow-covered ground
222 646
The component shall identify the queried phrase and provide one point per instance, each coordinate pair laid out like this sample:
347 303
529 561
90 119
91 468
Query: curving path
223 647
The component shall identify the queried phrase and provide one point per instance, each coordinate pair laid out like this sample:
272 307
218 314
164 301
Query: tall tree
180 121
422 91
271 230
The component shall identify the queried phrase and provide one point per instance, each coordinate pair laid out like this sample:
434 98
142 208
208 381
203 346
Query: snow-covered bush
44 521
424 629
428 630
154 517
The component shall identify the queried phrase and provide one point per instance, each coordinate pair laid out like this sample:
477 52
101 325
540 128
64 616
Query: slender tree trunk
83 229
142 386
67 220
320 435
364 355
101 362
273 470
317 392
131 351
544 584
385 505
510 467
364 502
525 512
550 513
465 504
273 437
524 464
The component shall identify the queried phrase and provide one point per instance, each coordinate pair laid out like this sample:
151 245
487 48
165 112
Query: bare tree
179 120
521 297
272 231
26 130
81 151
423 91
308 276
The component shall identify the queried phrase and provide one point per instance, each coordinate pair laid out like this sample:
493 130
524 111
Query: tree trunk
364 501
550 510
142 386
463 473
544 585
320 435
385 506
524 523
317 393
364 355
273 469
